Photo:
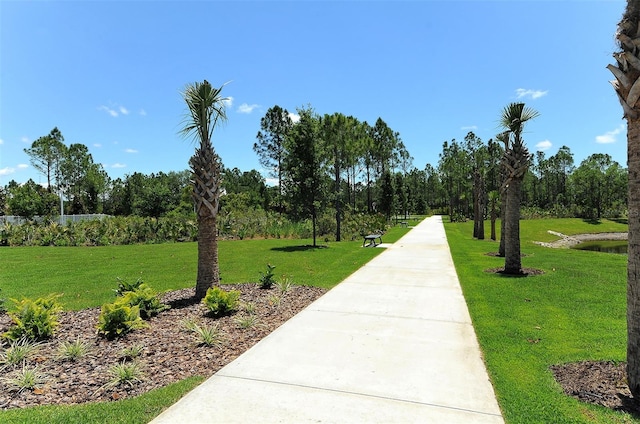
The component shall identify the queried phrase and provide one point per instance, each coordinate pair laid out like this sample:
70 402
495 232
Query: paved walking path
392 343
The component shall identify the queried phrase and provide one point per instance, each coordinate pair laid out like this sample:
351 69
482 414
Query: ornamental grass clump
26 378
18 352
34 319
73 351
220 302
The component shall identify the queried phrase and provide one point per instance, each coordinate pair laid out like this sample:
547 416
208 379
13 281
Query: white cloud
23 166
246 108
118 165
469 128
123 110
25 139
1 142
130 150
294 117
544 145
610 136
109 111
228 102
534 94
6 171
143 112
98 145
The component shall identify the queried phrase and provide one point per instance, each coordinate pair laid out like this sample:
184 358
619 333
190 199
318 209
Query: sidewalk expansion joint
367 395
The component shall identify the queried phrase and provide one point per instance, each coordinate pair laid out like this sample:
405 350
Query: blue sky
109 74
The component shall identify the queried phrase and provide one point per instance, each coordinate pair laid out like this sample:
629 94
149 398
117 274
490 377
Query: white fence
64 219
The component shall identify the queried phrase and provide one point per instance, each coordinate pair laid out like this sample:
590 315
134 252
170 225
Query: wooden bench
404 223
371 238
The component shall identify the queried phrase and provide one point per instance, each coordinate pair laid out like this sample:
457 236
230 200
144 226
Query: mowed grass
574 312
87 277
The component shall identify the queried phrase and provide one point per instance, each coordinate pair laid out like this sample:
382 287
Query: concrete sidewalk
393 343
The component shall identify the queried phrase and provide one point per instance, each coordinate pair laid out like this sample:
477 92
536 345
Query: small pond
607 246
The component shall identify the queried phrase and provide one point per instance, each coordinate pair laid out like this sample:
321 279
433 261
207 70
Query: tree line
328 164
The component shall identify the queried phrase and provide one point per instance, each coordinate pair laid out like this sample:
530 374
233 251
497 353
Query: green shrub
118 318
145 298
128 373
34 319
125 287
220 302
266 278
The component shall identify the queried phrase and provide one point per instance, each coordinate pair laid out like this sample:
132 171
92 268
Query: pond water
607 246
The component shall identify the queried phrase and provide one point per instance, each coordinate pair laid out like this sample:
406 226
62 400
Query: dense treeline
330 170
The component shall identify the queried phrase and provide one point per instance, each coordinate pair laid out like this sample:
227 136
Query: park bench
371 238
404 223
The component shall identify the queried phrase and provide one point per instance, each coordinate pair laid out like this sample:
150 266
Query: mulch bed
602 383
170 352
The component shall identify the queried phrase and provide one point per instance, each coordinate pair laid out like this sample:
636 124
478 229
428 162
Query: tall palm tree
516 162
207 108
504 138
627 86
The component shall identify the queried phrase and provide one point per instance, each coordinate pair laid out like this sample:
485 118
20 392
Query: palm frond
206 108
514 115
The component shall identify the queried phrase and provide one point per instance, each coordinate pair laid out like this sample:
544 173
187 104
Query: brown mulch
170 352
526 272
601 383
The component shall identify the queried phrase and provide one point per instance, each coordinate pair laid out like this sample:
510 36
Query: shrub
125 287
266 279
34 319
145 298
220 302
117 319
284 285
247 321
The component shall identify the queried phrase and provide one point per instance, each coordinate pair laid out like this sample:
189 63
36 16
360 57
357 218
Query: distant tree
600 185
516 162
387 200
274 127
206 108
82 180
626 85
31 199
45 155
305 168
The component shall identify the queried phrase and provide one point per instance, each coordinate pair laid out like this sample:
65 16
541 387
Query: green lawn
87 277
574 312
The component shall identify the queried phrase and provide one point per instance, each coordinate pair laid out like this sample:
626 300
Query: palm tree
627 86
516 162
206 109
504 138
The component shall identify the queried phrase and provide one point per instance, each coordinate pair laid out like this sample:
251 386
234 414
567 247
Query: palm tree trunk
503 209
512 260
633 263
208 271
